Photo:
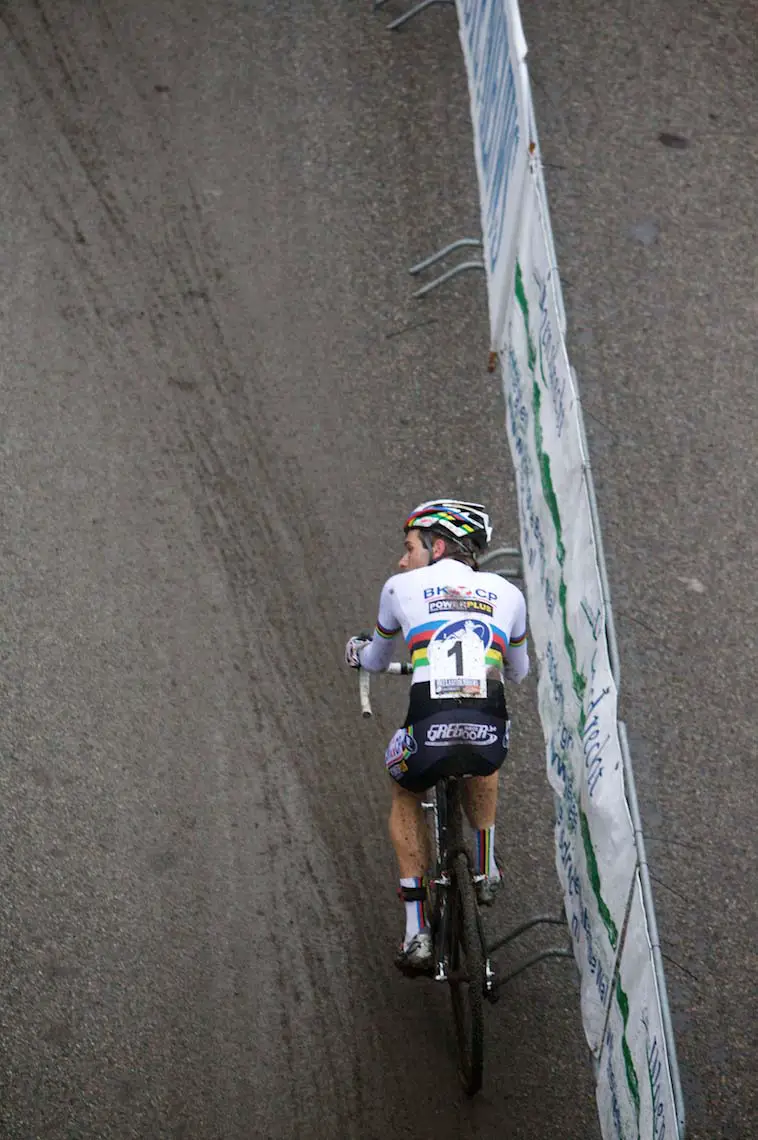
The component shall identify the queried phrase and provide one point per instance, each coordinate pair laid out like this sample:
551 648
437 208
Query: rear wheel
466 976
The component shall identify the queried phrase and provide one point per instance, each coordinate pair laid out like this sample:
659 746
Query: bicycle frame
439 879
445 810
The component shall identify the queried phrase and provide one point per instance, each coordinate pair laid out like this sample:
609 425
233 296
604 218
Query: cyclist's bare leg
409 833
410 839
480 801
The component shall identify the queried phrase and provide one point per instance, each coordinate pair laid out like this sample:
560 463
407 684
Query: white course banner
494 50
635 1097
596 855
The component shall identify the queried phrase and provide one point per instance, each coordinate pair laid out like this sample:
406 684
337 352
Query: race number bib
456 663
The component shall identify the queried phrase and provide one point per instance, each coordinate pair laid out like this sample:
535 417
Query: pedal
491 988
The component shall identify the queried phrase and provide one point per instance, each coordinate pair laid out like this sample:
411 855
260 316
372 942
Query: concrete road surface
217 402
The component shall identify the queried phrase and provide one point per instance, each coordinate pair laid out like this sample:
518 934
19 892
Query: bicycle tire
466 976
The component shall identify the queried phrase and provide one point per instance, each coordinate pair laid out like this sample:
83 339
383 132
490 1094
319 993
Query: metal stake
413 12
462 243
447 276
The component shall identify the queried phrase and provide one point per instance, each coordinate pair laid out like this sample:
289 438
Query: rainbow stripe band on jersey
386 633
494 656
418 644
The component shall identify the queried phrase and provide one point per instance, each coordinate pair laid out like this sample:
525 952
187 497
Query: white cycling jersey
435 606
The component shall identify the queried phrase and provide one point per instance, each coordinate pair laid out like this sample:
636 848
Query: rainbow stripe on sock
485 851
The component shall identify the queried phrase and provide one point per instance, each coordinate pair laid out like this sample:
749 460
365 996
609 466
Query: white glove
353 650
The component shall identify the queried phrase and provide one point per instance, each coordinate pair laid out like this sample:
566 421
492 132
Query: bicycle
461 955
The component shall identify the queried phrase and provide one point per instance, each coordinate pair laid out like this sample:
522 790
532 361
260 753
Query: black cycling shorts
452 737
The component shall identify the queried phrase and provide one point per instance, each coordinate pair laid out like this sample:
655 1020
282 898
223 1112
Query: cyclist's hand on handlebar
353 649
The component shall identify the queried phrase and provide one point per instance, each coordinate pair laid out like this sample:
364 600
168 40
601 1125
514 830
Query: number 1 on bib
456 666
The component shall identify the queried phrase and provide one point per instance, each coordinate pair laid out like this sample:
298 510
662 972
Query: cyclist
465 631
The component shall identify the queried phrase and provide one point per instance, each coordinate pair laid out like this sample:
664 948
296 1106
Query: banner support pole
655 943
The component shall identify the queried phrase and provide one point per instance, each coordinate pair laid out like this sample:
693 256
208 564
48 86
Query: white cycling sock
485 852
415 915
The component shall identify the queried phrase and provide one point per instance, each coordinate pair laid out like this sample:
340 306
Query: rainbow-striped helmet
467 523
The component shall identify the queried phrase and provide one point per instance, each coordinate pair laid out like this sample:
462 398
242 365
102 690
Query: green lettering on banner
594 874
547 479
579 680
524 306
631 1073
